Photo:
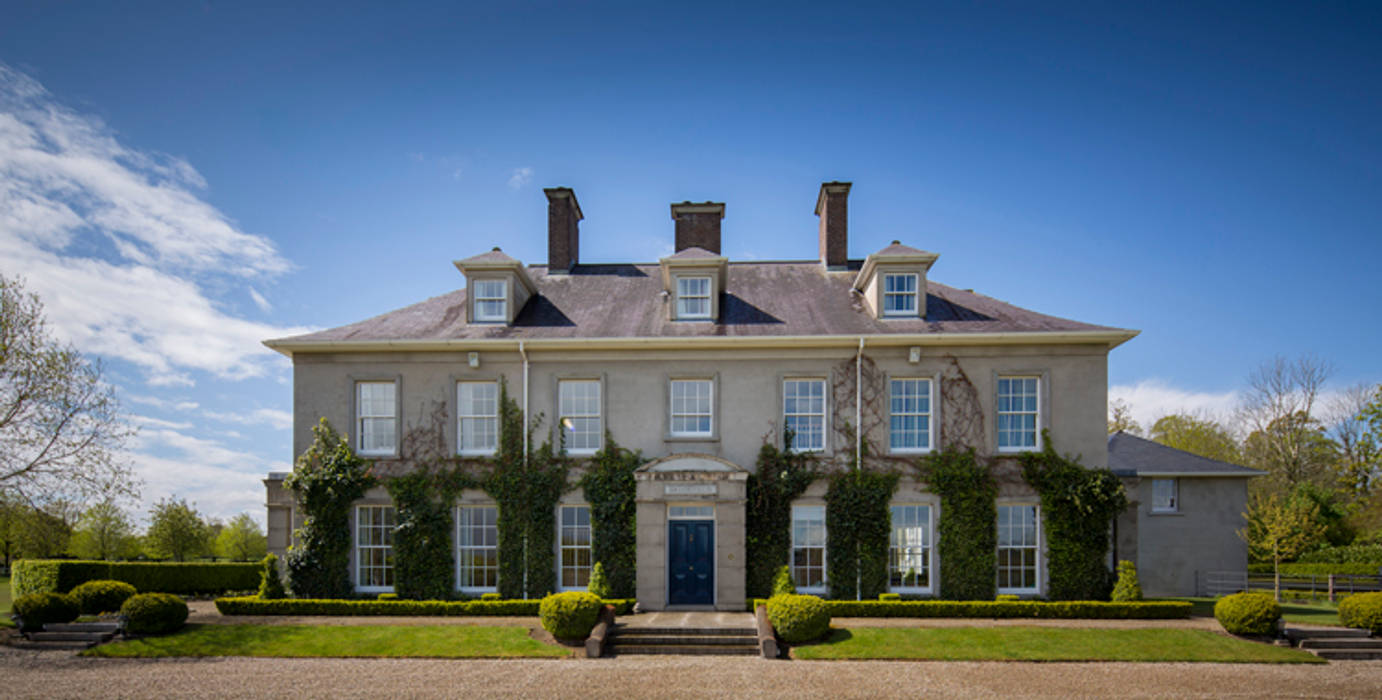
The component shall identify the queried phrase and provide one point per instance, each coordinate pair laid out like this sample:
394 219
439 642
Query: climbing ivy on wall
780 477
424 558
610 489
858 528
326 479
967 531
1078 505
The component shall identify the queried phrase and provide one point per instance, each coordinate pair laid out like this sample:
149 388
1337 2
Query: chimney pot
832 206
563 229
698 225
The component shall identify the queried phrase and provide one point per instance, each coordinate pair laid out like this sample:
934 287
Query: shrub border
253 605
995 609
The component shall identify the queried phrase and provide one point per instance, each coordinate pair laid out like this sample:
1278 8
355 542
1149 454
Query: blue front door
690 562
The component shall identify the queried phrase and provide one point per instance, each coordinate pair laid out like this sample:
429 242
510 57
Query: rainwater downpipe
858 451
522 353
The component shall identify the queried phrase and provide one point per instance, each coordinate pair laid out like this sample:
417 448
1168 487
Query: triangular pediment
692 462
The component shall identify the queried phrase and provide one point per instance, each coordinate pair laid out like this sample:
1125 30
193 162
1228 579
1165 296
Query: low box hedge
1352 554
1035 609
1316 569
185 578
253 605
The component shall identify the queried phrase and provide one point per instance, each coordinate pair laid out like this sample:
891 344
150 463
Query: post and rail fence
1316 586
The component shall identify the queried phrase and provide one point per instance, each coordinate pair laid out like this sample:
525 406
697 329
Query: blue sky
181 181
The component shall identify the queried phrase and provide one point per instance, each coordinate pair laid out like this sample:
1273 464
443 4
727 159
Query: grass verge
1045 644
376 641
1300 612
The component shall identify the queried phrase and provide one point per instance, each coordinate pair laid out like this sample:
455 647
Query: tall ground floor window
374 548
909 555
477 548
574 539
1017 548
808 547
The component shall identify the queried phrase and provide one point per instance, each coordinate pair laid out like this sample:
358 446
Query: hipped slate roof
1130 455
760 299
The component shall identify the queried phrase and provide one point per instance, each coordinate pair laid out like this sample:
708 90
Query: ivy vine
967 531
327 478
610 489
857 537
1078 505
424 558
780 477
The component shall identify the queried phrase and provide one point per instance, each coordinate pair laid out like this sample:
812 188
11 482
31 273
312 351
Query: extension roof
763 300
1129 455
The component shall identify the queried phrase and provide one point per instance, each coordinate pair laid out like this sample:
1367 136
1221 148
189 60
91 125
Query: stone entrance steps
1338 644
698 641
69 636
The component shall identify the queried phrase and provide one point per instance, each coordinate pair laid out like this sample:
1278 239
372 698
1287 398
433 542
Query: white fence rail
1315 586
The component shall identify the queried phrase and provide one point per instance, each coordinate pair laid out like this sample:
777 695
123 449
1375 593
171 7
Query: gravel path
56 674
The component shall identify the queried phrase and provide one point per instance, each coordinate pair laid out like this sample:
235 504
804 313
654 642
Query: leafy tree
1332 513
44 533
241 540
1198 435
104 532
1120 418
1278 412
176 531
1293 450
1280 530
60 424
1355 426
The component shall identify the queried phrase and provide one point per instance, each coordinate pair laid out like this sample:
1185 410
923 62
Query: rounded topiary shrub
1248 613
1128 588
154 613
570 615
38 609
491 596
782 582
96 597
798 618
890 596
1362 611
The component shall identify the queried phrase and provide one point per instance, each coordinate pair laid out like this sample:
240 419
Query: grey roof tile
1139 456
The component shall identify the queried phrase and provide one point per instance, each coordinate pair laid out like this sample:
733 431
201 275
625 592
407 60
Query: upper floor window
692 400
1165 496
477 415
1017 549
376 410
1017 413
900 294
578 403
491 300
808 547
477 548
574 538
803 413
909 560
374 548
693 297
909 420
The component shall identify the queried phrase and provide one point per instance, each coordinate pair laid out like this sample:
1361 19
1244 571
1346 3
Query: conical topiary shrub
1127 587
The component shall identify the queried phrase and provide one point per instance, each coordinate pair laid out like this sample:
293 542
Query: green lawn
1045 644
1306 613
441 641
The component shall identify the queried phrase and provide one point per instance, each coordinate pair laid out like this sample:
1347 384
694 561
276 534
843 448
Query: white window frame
1174 505
927 547
824 414
1000 413
683 296
564 551
386 533
481 295
928 414
465 520
914 295
563 414
798 545
463 415
361 417
709 411
1035 547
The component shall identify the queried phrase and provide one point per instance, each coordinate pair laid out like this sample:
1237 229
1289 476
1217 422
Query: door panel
691 562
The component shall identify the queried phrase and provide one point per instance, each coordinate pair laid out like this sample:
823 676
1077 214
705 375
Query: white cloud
260 301
150 422
118 244
520 177
157 402
1150 399
272 417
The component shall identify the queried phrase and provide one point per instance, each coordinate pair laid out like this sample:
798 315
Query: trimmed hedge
1035 609
798 618
1351 554
38 609
1248 613
252 605
1362 611
154 613
570 615
1317 569
62 575
96 597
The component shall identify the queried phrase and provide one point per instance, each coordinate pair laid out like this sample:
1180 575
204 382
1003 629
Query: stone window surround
354 381
604 405
935 422
714 379
828 425
1044 389
1040 547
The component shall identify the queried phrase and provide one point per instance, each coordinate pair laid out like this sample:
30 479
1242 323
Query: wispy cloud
272 417
120 245
1150 399
260 301
520 177
157 402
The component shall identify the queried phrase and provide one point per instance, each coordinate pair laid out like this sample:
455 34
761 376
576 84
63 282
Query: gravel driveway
56 674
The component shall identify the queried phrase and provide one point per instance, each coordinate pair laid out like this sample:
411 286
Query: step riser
1341 644
685 651
82 627
686 631
684 641
1329 634
1349 655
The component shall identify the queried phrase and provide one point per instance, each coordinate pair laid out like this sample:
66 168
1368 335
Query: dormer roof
496 260
894 254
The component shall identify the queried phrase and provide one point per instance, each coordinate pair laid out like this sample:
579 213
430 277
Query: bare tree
1347 424
1278 411
1120 418
60 428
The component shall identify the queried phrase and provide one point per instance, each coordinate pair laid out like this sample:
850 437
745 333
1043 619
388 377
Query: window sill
1020 592
904 590
910 451
477 591
378 455
374 589
480 453
672 437
1165 512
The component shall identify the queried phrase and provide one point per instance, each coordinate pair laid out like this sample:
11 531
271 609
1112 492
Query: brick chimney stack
833 207
563 229
698 225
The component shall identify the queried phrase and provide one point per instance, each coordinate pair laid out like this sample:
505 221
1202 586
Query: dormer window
693 297
491 300
900 294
